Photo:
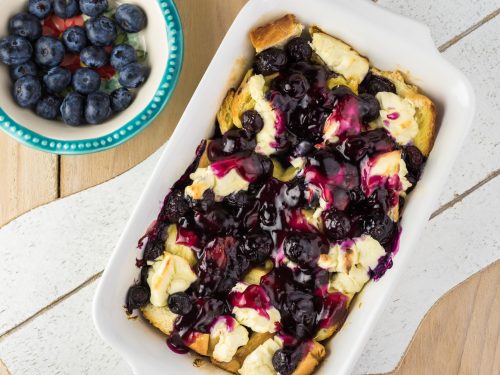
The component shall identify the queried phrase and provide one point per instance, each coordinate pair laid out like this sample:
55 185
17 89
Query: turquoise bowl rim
131 128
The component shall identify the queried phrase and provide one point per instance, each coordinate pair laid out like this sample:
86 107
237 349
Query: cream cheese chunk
340 57
168 275
230 336
260 361
266 138
350 263
204 179
397 116
174 248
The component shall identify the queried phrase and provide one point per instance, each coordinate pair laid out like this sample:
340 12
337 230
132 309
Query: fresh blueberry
27 91
57 79
94 57
72 109
122 55
133 75
131 18
27 69
180 303
137 297
49 107
86 81
337 225
93 8
252 122
75 39
373 84
25 25
97 108
40 8
15 50
101 31
298 49
121 99
66 8
369 108
49 51
257 247
304 248
270 61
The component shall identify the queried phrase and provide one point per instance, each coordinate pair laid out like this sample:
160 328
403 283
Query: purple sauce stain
393 116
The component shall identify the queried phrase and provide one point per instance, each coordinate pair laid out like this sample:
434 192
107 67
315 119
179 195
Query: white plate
391 42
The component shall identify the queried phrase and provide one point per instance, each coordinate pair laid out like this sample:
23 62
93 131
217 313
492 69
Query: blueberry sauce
333 198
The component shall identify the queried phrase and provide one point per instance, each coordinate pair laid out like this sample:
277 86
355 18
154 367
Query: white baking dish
391 42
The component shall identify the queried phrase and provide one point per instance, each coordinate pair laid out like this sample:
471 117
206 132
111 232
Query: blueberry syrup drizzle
271 220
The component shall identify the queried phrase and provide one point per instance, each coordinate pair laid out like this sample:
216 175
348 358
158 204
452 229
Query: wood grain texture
461 333
3 369
205 23
29 178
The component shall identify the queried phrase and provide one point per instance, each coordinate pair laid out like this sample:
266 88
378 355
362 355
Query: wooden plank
461 333
29 178
205 23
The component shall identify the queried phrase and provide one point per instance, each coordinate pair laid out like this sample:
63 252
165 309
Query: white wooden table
52 257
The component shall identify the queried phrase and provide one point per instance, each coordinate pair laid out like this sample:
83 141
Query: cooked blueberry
133 75
93 8
27 69
40 8
299 314
49 51
217 219
268 214
75 39
25 25
236 140
137 297
94 57
373 84
337 225
48 107
180 303
131 18
282 363
57 79
252 121
376 224
66 8
369 108
294 85
205 203
257 247
414 160
121 99
238 199
122 55
303 148
86 81
72 109
304 248
97 108
270 61
175 206
27 91
292 194
101 31
15 50
298 49
326 162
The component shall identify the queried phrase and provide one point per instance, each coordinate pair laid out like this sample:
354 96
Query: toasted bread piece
313 358
224 116
255 341
200 343
425 110
161 317
276 34
339 57
341 81
204 161
242 100
172 247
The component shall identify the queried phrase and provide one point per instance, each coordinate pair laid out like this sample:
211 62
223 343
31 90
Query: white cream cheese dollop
230 336
205 178
397 116
168 275
260 361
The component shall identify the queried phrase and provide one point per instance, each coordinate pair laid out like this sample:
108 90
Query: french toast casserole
289 209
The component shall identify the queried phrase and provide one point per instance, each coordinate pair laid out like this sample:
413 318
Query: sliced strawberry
106 72
71 62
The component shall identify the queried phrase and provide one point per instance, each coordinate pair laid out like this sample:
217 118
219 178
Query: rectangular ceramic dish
391 42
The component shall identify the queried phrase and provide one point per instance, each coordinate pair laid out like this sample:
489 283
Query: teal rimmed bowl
165 46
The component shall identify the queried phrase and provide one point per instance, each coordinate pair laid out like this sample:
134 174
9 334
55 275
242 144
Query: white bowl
391 42
164 42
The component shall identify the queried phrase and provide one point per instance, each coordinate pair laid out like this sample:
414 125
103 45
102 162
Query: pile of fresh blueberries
53 91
